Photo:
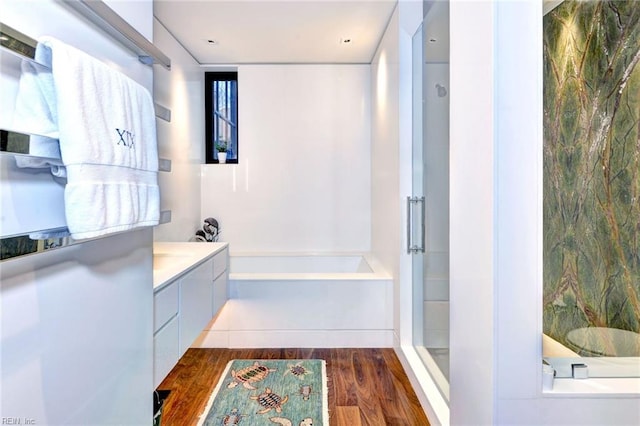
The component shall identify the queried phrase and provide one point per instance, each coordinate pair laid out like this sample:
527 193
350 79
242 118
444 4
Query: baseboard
295 339
434 405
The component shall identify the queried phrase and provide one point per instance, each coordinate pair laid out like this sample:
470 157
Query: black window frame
210 77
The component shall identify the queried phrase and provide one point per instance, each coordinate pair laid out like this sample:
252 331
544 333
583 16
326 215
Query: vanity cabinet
220 286
184 305
166 350
220 292
166 331
196 302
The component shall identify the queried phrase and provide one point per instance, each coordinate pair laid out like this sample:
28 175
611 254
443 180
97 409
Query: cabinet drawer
220 292
220 262
166 351
196 294
165 305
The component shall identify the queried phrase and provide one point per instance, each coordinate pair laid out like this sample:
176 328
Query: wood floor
366 386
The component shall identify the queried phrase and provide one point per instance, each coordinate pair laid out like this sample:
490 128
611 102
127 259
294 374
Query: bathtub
618 358
304 300
286 266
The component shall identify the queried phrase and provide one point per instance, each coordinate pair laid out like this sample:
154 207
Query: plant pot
222 157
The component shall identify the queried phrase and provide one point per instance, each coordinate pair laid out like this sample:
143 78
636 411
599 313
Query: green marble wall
591 166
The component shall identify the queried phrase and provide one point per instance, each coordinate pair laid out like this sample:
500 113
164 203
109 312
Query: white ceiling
267 31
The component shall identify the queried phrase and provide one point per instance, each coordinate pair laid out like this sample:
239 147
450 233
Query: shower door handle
412 202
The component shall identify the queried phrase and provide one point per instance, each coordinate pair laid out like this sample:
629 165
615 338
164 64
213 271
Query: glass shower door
428 205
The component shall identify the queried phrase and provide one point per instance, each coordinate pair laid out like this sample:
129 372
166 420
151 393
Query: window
221 109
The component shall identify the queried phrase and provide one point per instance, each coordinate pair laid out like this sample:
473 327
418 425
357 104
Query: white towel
50 234
107 134
36 113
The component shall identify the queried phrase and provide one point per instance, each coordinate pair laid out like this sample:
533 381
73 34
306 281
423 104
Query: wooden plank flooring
367 387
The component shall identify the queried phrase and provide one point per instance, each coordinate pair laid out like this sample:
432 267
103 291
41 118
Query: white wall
386 217
180 140
472 349
303 178
77 332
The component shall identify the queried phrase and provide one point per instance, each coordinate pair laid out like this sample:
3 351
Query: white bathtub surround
326 301
247 266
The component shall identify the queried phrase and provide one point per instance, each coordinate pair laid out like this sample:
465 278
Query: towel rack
17 143
30 243
106 19
12 142
24 46
17 43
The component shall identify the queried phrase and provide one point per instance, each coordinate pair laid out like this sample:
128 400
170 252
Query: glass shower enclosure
428 205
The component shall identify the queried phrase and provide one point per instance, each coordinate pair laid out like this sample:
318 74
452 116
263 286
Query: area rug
267 392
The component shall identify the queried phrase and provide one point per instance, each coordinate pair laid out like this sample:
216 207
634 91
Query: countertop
170 260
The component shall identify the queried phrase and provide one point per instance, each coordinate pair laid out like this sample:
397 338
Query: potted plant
221 146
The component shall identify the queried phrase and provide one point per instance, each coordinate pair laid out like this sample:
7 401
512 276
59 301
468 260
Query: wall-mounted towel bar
15 246
16 142
164 165
20 44
106 19
15 47
13 142
162 112
17 42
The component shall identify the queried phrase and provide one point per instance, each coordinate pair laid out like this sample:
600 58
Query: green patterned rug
267 392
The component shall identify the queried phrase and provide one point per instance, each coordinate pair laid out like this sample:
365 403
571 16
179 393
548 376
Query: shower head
442 91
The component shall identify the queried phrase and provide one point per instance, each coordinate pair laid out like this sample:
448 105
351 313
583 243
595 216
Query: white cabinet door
220 262
220 292
165 305
166 350
196 310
